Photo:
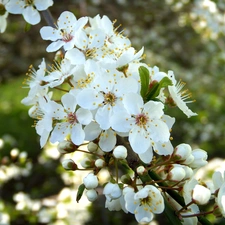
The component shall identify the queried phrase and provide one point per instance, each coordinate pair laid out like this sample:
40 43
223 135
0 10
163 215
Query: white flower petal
221 199
59 132
77 134
107 140
142 215
49 33
139 140
127 85
163 148
103 116
92 131
54 46
15 6
66 19
146 157
133 103
69 102
44 138
31 15
84 116
155 109
75 56
43 4
89 99
159 131
121 122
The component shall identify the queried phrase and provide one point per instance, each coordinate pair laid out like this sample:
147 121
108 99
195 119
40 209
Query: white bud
188 160
177 173
200 157
86 163
69 164
183 151
120 152
66 147
141 170
92 147
112 191
92 195
99 163
90 181
201 194
188 171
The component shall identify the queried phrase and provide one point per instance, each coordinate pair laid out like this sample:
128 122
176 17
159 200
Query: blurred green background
177 35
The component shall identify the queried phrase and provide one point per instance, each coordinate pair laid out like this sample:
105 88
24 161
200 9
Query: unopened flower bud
120 152
86 163
92 147
141 170
182 151
188 171
177 173
200 157
69 164
99 163
201 194
90 181
92 195
112 191
126 179
66 147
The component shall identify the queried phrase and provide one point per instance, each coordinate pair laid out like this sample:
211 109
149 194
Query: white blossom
143 122
74 119
144 203
66 33
180 96
29 9
112 191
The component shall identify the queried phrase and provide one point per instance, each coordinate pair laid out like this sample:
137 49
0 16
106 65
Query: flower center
29 2
146 201
72 118
66 37
109 98
141 120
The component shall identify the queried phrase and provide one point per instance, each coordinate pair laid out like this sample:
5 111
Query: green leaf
144 76
170 214
80 192
156 87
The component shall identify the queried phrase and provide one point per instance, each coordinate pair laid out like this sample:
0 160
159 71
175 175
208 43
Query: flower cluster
99 94
208 17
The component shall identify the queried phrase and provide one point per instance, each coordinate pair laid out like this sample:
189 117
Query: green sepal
155 89
144 77
2 10
27 27
80 192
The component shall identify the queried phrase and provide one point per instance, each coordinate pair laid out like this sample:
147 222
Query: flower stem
48 18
